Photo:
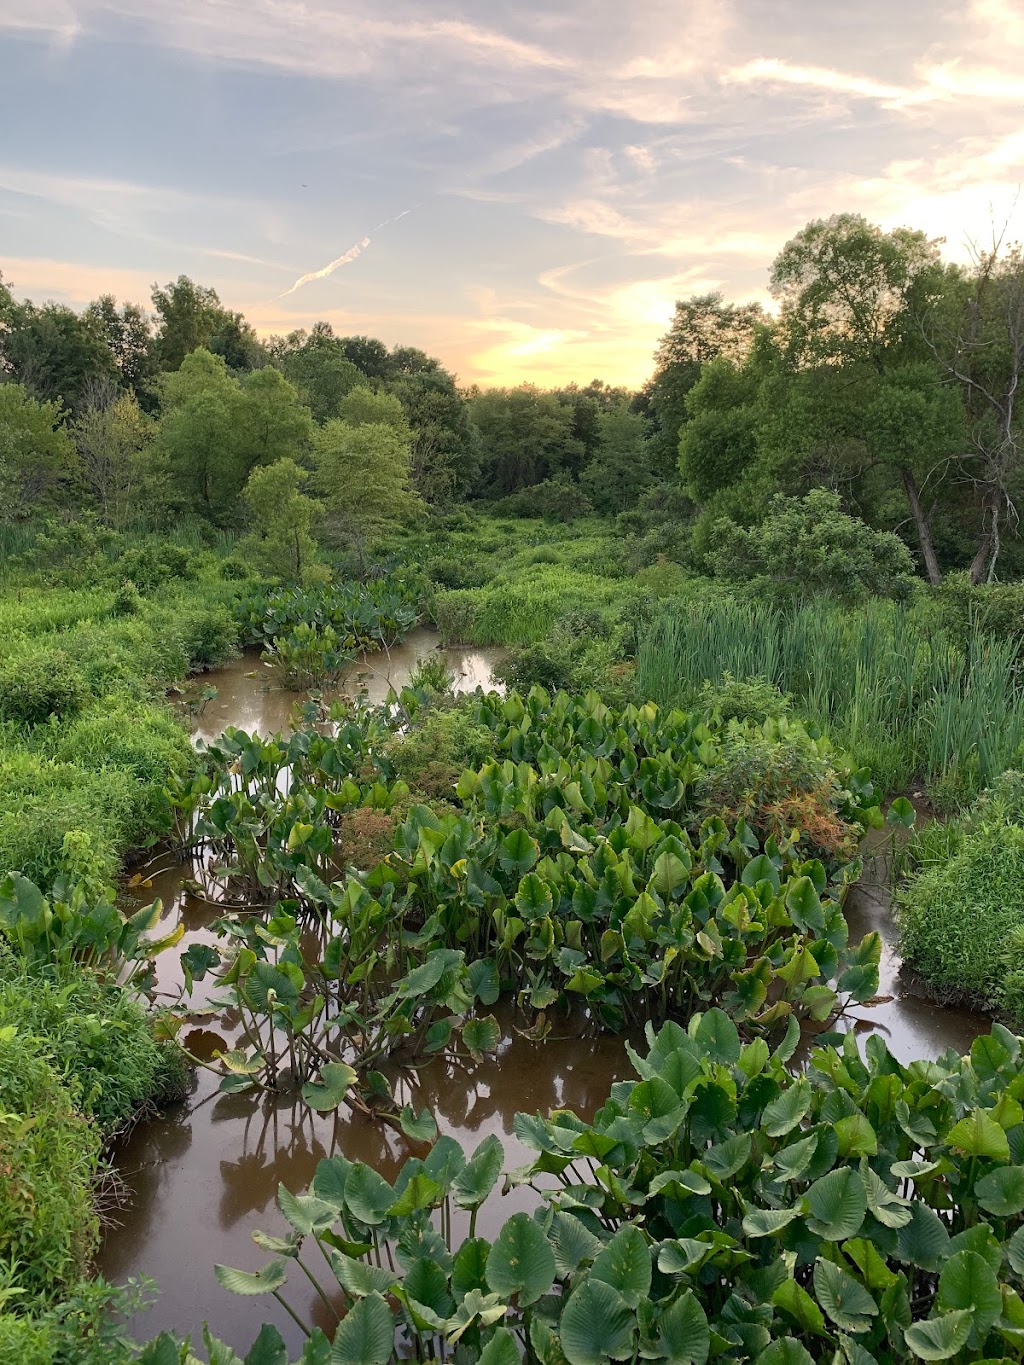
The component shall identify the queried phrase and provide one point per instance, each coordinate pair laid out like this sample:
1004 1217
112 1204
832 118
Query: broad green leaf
924 1241
306 1213
939 1338
368 1195
502 1349
572 1242
782 1114
1002 1191
967 1281
786 1351
521 1261
480 1174
684 1337
272 1276
518 853
843 1298
481 1035
366 1334
768 1222
360 1278
421 1129
596 1325
836 1204
625 1264
978 1134
795 1301
336 1078
718 1036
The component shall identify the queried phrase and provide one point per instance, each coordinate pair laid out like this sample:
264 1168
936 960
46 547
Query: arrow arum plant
719 1207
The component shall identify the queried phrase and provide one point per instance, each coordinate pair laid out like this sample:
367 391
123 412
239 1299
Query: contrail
350 255
329 269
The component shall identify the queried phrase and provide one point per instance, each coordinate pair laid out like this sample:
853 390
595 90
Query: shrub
432 753
233 569
209 634
127 600
776 780
47 1224
744 699
38 684
809 544
452 571
960 919
96 1038
552 500
43 801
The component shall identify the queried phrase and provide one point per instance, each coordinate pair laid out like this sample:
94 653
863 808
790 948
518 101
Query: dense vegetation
741 611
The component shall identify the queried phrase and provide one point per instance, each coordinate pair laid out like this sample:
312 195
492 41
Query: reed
911 705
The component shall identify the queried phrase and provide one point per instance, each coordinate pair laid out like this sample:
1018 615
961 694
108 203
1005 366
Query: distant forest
888 376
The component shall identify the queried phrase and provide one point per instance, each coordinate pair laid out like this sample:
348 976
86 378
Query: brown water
249 697
202 1177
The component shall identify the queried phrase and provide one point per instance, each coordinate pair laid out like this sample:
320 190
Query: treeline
887 376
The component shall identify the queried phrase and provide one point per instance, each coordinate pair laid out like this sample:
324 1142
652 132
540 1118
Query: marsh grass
907 703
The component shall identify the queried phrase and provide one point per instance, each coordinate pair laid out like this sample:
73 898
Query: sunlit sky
522 189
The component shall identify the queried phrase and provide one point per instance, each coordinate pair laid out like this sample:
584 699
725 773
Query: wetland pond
202 1177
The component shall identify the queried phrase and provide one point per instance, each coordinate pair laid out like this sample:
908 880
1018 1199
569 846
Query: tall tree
363 406
283 517
318 367
272 423
57 354
198 434
362 478
703 328
976 333
618 473
850 294
127 332
191 316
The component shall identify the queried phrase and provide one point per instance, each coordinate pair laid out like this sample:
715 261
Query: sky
521 189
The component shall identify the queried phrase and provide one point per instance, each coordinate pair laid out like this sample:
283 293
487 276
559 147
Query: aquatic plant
720 1206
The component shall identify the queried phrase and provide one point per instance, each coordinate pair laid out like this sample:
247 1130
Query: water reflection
249 697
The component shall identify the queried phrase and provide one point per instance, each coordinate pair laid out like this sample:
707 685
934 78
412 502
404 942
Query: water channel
203 1176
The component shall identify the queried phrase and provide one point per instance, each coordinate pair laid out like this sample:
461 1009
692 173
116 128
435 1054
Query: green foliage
906 699
553 500
371 615
809 544
961 914
361 475
284 517
858 1209
38 684
36 452
48 1153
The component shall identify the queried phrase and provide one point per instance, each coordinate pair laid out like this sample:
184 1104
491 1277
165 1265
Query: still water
202 1177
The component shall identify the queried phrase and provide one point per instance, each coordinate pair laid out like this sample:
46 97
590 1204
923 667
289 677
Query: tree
445 457
619 473
975 330
362 477
273 423
318 367
115 463
283 517
718 441
191 316
525 438
363 406
704 327
370 356
810 544
127 334
850 294
37 455
58 355
198 434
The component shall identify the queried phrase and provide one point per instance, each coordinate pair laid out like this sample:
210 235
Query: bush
209 634
960 919
155 563
452 571
809 544
432 753
38 684
754 699
552 500
127 600
778 781
47 1224
96 1038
